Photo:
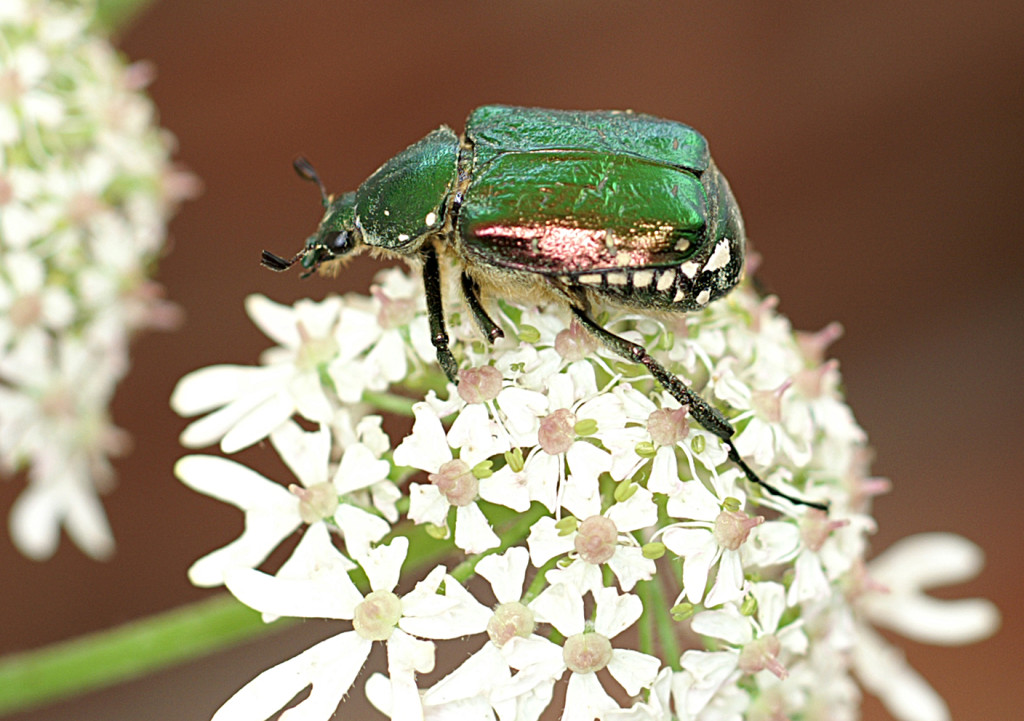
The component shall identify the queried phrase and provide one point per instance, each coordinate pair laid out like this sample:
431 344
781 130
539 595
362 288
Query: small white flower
585 651
452 482
484 680
272 512
249 402
713 536
331 666
755 644
602 539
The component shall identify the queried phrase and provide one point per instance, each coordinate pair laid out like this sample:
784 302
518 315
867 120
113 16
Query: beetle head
335 237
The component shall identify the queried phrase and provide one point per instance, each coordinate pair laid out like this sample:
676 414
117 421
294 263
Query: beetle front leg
470 291
702 411
435 313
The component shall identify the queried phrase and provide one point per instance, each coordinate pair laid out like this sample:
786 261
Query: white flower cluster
85 191
578 490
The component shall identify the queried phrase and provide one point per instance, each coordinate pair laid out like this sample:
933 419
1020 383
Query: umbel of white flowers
592 509
86 188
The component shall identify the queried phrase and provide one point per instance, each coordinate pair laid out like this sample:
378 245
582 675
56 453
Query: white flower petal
927 560
584 577
359 468
636 512
306 394
728 584
426 447
586 699
427 505
233 483
537 657
476 676
305 453
35 522
330 666
771 603
545 541
329 594
937 621
809 581
616 613
215 386
560 605
506 573
507 488
406 657
473 532
634 670
258 423
884 671
264 531
277 321
630 566
387 357
726 625
360 528
383 564
710 669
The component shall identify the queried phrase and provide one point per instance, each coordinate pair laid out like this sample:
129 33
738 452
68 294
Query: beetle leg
435 313
702 411
470 291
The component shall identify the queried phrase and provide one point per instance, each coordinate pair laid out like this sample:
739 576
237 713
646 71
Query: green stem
665 625
645 631
390 402
107 657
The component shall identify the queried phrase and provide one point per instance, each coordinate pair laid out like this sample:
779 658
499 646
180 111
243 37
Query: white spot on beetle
720 257
617 278
682 245
689 269
623 258
643 278
431 218
403 237
667 279
703 297
590 279
680 294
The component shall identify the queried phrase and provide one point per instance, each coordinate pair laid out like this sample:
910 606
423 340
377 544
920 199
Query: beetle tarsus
736 458
470 291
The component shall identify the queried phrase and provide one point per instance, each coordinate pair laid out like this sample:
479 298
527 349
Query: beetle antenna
276 262
306 171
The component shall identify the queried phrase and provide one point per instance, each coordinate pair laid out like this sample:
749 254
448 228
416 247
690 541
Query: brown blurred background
876 152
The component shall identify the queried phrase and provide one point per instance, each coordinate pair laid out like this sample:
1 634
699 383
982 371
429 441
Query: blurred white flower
86 188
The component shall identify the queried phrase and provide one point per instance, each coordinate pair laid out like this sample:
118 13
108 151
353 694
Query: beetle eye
338 242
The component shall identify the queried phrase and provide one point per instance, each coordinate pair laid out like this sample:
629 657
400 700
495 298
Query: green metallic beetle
581 207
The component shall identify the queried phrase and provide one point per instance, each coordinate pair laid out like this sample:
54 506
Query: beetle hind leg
702 411
471 292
